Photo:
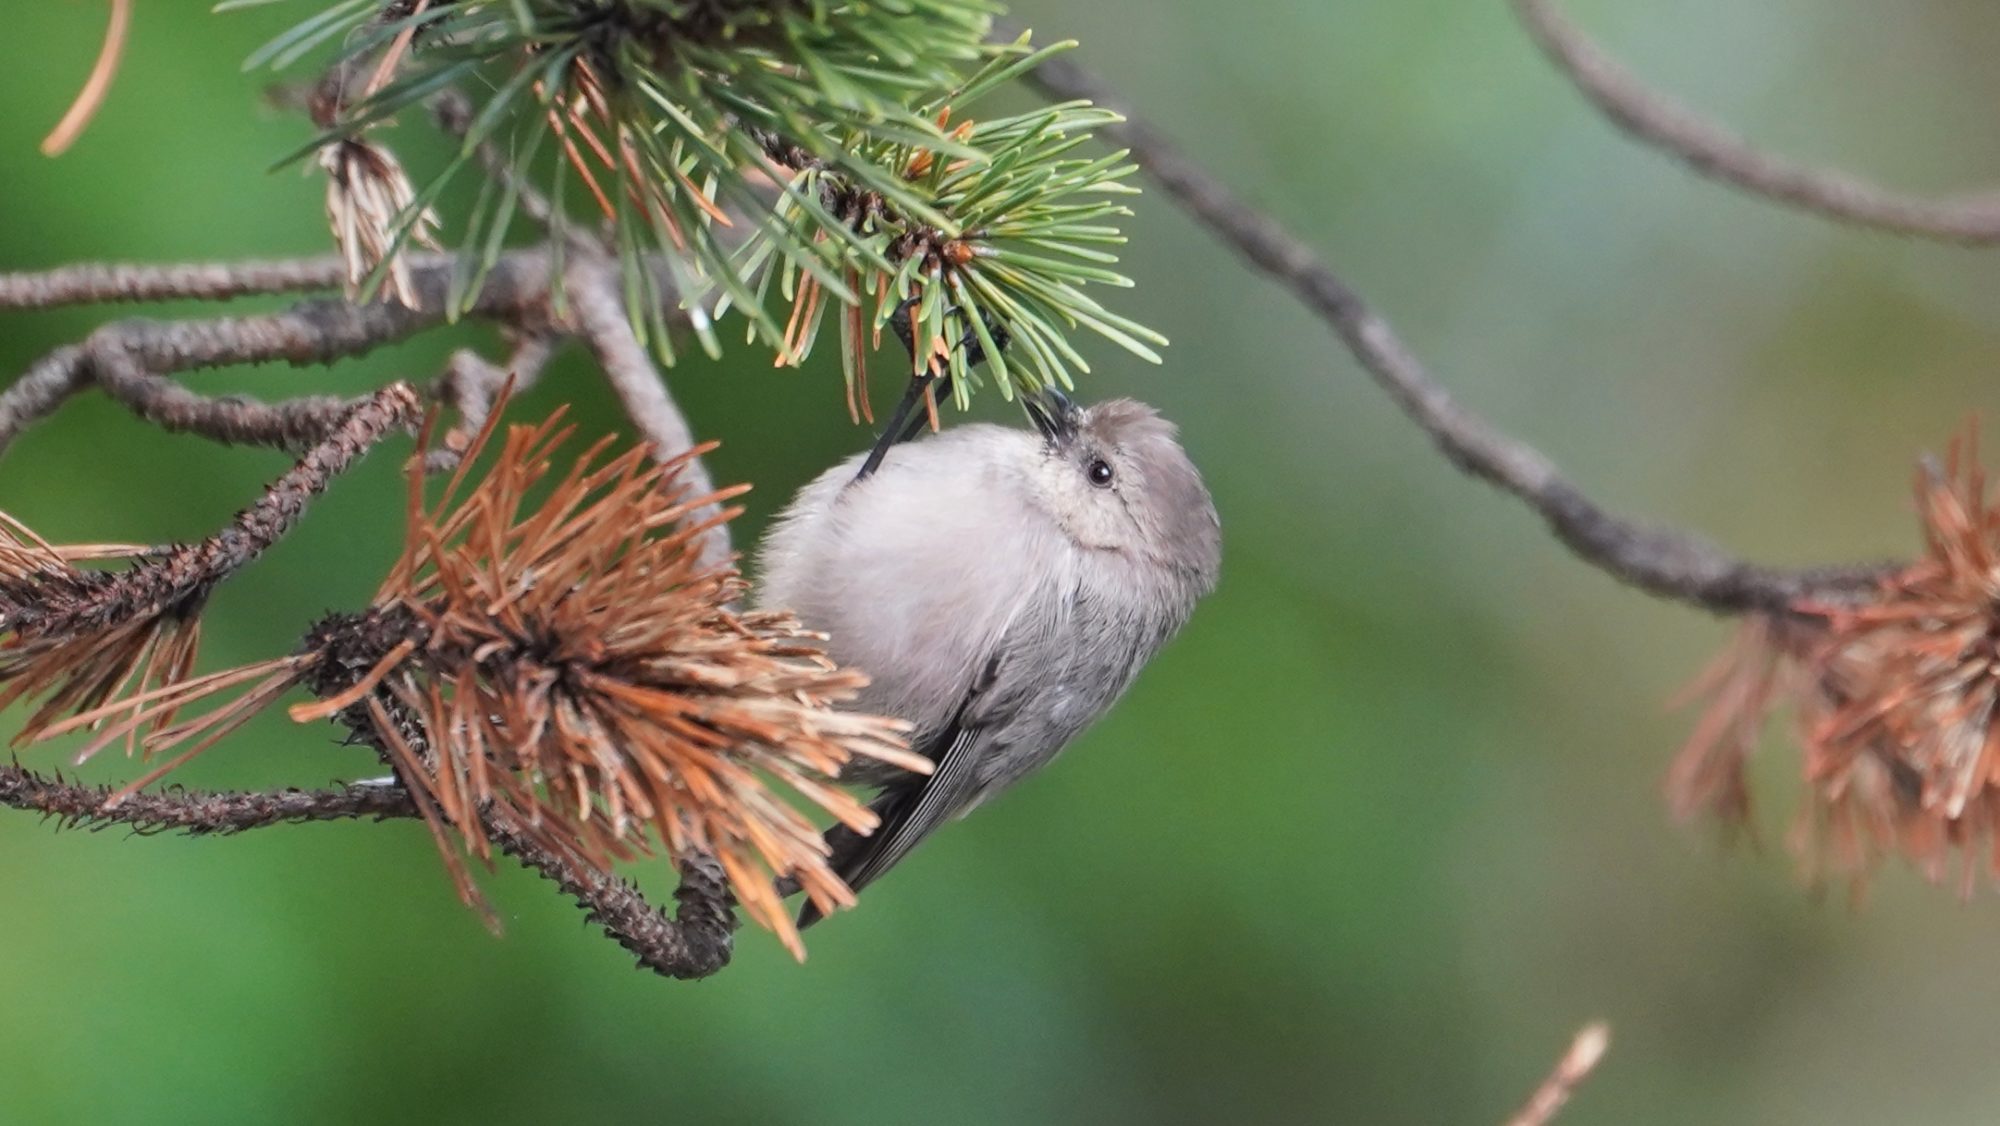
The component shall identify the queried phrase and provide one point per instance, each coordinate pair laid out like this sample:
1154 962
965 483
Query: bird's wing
911 812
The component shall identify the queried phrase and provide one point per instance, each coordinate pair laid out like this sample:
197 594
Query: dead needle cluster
548 657
1895 696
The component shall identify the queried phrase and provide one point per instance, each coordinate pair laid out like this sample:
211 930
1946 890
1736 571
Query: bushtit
1000 587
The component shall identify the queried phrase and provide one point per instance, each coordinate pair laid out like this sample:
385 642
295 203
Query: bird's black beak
1053 413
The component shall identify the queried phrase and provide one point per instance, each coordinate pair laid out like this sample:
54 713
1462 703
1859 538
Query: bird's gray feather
998 602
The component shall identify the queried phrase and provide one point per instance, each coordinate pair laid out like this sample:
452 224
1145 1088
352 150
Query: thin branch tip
1585 1052
1714 152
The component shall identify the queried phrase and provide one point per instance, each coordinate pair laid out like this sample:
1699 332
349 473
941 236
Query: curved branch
1713 151
233 420
696 942
40 390
1659 560
130 359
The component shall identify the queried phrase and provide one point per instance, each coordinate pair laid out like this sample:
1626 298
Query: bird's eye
1100 473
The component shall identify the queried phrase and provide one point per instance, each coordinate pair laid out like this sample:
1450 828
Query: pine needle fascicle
815 148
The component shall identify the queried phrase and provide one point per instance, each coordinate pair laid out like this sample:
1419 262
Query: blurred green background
1365 845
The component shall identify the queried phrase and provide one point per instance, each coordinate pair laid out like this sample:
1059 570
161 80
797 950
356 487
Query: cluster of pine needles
1895 698
795 161
547 656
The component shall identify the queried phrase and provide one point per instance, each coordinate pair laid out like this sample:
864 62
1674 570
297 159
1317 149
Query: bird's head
1116 478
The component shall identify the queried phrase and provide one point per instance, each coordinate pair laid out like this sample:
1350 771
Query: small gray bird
1000 587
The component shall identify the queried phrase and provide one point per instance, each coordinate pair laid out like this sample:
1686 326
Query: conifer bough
892 200
793 161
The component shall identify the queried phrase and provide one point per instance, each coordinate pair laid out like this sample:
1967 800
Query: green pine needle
816 147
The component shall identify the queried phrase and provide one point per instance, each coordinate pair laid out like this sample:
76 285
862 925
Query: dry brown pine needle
367 193
1895 697
91 97
595 681
573 668
54 648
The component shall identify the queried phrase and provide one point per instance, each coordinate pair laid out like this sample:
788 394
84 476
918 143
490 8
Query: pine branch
171 581
129 360
195 812
557 671
151 608
1710 150
1660 560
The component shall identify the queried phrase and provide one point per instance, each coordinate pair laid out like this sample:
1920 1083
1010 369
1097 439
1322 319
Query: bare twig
1573 1068
132 359
471 383
197 812
597 302
256 528
1660 560
696 942
235 420
204 281
1713 151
